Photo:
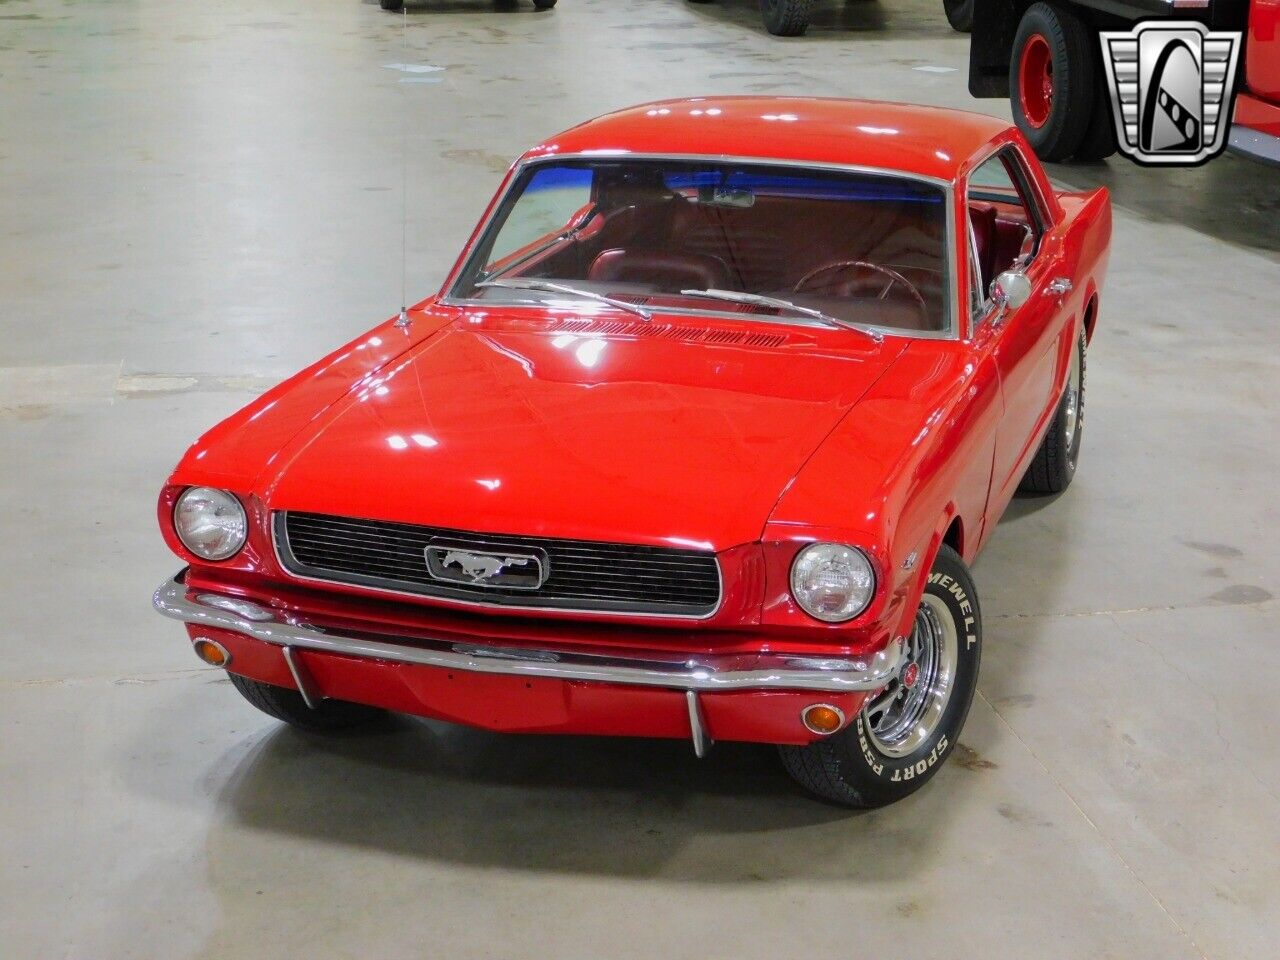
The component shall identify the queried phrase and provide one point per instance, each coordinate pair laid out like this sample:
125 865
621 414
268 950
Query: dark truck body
1255 130
995 21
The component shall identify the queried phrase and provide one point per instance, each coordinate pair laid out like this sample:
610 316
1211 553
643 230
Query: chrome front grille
580 574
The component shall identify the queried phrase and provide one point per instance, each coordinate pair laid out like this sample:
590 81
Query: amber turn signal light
822 718
211 652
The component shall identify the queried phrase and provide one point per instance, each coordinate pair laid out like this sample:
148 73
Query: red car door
1009 230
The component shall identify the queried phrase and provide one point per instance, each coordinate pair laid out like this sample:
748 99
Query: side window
1004 222
551 201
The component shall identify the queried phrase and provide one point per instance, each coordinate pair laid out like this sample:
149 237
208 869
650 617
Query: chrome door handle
1059 287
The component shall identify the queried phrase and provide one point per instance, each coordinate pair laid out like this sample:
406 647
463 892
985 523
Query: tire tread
791 20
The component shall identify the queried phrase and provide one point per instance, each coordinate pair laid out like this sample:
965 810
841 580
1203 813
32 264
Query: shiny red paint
1262 51
1258 103
472 417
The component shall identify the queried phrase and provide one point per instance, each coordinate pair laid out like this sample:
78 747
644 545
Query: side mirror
1010 290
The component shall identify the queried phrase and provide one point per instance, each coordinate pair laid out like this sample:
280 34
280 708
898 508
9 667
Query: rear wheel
288 705
959 14
904 732
1100 137
785 18
394 5
1055 462
544 4
1052 80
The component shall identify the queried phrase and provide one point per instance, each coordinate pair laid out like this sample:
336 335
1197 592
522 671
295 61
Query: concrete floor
197 199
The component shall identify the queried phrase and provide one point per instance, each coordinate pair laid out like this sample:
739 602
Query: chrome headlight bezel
211 523
816 558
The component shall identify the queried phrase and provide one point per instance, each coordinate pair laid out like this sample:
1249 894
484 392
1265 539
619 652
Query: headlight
832 581
210 523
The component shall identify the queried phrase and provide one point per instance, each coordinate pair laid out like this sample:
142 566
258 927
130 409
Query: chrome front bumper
703 674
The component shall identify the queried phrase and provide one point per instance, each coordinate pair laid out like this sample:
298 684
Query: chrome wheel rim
1073 399
907 712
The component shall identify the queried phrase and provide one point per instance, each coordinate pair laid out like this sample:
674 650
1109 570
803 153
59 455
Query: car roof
926 141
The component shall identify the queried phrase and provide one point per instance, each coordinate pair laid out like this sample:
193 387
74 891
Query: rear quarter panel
1086 242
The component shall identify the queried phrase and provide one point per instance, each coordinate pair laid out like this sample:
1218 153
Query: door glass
1005 229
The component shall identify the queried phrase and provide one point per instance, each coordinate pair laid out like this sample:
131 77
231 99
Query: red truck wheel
1052 80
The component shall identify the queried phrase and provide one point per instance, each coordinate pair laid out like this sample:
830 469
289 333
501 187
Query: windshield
791 243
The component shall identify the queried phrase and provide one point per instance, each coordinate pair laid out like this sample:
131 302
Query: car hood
624 431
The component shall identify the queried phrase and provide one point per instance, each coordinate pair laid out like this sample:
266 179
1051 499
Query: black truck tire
785 18
1052 80
959 14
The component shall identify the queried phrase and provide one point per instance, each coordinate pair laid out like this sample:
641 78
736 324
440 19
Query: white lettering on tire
962 601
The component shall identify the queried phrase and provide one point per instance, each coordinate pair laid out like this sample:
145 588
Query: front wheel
543 4
785 18
394 5
904 732
287 705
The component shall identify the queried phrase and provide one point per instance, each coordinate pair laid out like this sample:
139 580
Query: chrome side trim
706 674
697 727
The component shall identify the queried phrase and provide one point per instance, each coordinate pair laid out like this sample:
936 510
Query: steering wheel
855 286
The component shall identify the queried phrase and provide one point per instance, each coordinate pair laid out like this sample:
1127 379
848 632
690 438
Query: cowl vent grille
670 331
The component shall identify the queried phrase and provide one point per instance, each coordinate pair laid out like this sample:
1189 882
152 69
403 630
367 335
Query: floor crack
1173 607
1089 820
1213 699
138 678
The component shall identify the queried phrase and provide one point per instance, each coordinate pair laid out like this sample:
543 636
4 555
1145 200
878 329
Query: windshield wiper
547 286
760 300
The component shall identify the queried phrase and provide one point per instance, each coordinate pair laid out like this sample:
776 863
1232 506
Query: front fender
910 458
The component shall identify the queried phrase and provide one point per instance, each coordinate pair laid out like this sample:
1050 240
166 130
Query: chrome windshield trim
704 674
950 332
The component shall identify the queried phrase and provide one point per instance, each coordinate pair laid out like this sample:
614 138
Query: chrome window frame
951 329
1023 182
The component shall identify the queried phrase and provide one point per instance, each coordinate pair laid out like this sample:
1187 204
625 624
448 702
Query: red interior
1000 232
768 247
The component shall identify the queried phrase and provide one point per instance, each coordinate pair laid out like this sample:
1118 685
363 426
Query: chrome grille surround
584 575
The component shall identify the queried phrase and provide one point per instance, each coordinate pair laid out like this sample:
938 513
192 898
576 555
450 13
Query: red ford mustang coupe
696 440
